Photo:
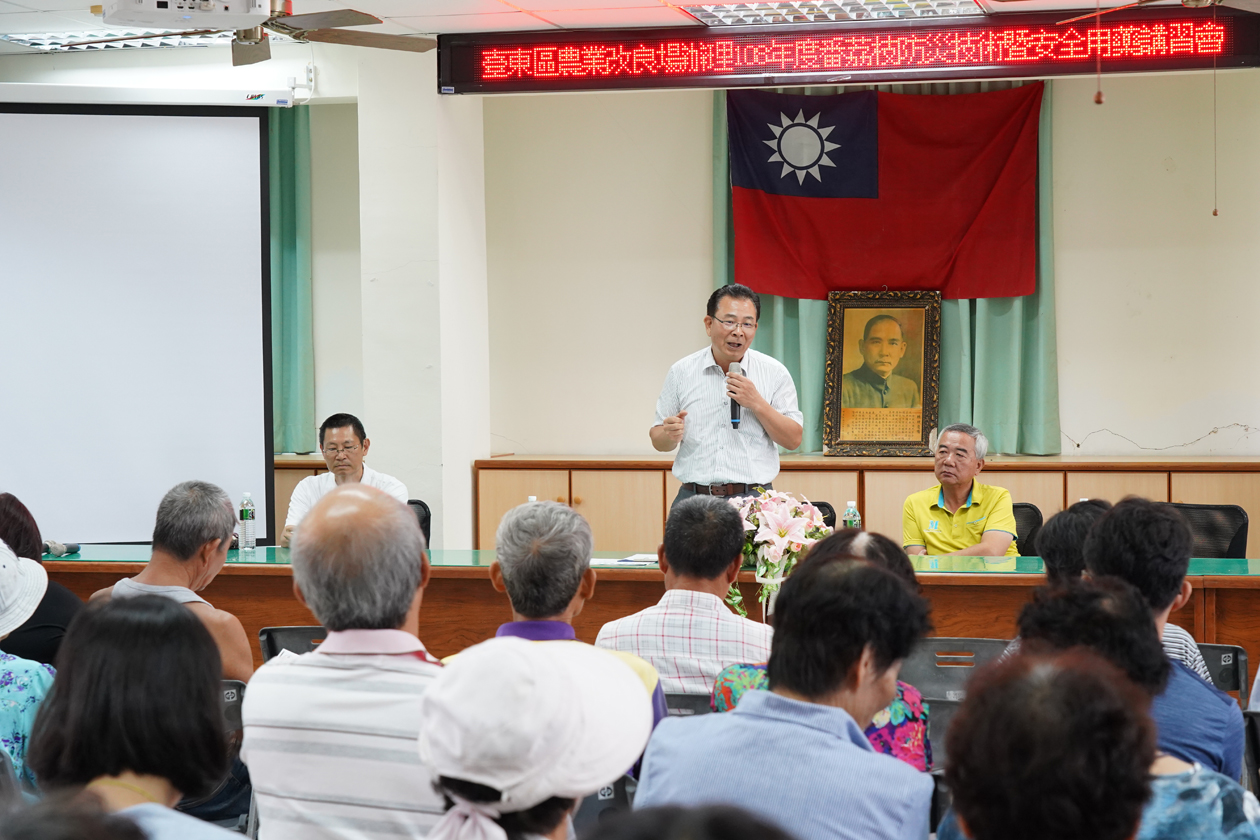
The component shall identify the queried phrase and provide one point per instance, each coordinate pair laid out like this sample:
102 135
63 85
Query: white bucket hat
532 720
22 586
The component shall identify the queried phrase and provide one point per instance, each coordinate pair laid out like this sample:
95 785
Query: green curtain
999 367
292 338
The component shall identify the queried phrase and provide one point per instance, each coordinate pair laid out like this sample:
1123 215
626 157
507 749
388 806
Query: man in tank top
194 527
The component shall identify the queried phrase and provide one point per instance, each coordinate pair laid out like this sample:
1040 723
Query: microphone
736 369
57 549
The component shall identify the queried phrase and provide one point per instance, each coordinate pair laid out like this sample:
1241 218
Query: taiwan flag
867 191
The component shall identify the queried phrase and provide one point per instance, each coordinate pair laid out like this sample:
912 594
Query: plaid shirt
689 637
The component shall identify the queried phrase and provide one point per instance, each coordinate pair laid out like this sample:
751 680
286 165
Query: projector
188 14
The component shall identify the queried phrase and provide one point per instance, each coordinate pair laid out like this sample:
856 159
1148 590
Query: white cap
22 586
532 720
851 504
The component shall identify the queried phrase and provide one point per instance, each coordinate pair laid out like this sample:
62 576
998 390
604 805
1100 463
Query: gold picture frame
883 375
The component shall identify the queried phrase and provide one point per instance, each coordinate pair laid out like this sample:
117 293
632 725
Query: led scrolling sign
864 53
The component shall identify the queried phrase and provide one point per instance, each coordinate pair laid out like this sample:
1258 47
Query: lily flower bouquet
778 531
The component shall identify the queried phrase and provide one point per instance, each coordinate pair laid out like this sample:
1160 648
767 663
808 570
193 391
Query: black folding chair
1219 530
1027 525
941 797
686 705
940 666
940 713
424 515
828 512
1251 750
205 807
299 640
1228 666
607 802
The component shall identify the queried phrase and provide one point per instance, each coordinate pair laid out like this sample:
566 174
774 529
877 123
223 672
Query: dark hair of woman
138 688
66 817
712 822
18 529
826 615
853 543
1049 747
540 819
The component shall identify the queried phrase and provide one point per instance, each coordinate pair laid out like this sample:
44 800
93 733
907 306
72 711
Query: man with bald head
330 736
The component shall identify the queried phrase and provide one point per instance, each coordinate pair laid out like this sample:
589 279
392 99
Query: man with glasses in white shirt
717 456
344 444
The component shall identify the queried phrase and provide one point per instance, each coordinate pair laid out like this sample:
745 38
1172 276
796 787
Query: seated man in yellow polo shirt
960 515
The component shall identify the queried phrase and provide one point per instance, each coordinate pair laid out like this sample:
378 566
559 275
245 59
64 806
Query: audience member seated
691 635
899 730
516 734
344 444
716 822
1148 545
330 735
960 515
1047 748
40 636
194 528
1110 619
136 715
1061 544
68 817
23 683
1061 541
841 632
543 552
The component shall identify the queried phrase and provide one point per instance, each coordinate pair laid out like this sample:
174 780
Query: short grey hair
543 549
365 576
982 442
190 515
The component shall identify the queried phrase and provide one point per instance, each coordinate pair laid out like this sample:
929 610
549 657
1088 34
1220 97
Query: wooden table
970 596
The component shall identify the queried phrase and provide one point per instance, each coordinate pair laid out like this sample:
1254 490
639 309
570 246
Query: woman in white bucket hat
23 683
515 733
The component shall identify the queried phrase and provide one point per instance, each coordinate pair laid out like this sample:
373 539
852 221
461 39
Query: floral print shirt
23 686
899 731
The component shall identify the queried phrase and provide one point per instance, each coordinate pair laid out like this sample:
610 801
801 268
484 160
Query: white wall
1157 300
335 260
599 225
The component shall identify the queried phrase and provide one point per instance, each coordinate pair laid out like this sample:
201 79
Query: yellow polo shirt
926 522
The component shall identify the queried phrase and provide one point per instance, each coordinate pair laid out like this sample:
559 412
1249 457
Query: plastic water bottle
248 542
852 519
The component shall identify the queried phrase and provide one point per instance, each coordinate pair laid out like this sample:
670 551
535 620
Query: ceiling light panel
69 41
826 11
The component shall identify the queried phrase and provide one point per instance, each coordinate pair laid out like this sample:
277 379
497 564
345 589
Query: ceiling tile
503 22
614 18
582 5
425 8
32 23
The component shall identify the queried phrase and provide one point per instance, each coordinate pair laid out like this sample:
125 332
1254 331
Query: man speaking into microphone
727 406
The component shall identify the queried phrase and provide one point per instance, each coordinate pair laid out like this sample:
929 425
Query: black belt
726 489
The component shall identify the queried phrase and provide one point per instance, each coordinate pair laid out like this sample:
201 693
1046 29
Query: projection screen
134 312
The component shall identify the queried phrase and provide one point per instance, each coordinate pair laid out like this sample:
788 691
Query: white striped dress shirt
712 452
330 740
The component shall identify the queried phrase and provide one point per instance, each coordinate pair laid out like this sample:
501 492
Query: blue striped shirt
814 775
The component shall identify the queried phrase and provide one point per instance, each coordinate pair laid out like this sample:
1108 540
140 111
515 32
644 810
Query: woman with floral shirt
23 684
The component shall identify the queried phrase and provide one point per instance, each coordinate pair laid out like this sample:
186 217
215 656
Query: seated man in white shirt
691 635
330 736
344 444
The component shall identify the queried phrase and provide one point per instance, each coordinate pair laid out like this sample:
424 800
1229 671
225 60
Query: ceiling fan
250 44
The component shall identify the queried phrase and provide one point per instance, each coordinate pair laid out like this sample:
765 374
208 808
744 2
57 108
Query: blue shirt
1197 804
815 775
1199 723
